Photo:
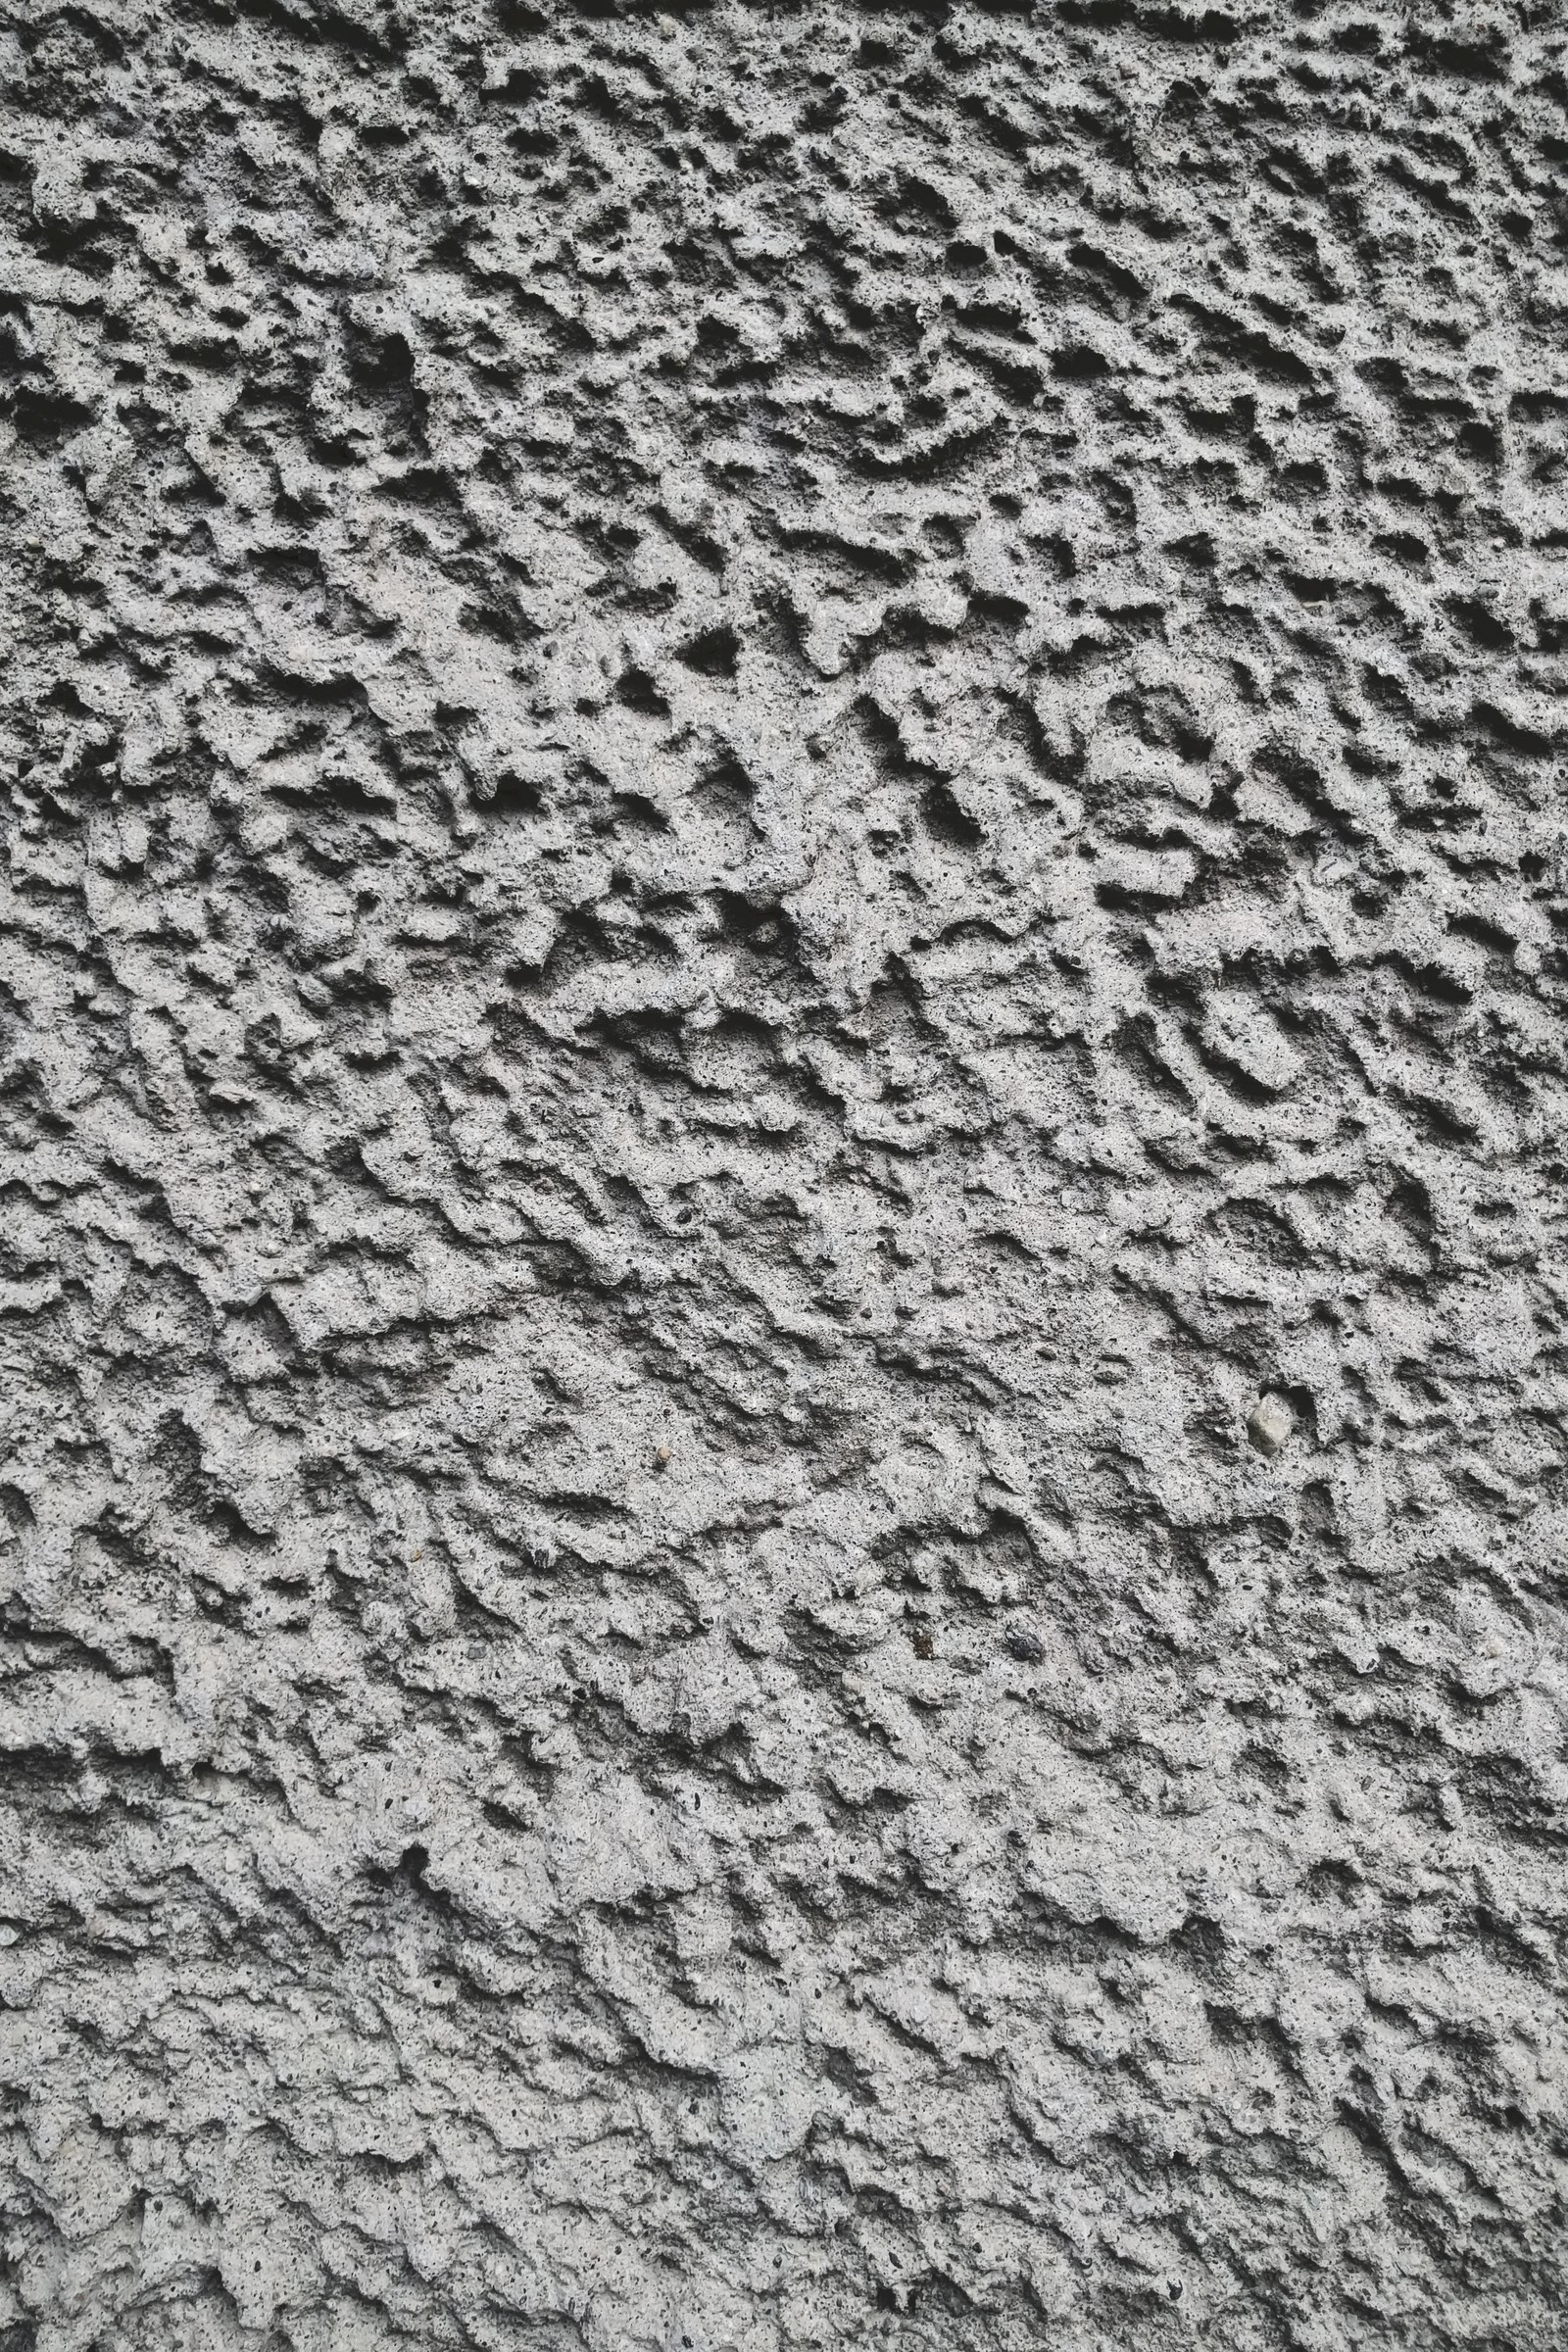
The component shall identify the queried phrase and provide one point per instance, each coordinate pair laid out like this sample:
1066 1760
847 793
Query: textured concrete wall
784 1131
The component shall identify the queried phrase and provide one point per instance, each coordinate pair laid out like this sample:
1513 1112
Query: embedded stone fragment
1269 1424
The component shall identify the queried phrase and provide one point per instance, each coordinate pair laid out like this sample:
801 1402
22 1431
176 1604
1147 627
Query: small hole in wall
713 654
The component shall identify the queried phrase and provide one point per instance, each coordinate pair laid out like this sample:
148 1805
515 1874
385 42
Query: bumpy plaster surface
784 1132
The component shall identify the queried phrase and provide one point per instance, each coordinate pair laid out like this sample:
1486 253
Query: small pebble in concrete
1270 1423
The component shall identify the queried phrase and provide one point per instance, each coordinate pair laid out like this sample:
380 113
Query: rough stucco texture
783 800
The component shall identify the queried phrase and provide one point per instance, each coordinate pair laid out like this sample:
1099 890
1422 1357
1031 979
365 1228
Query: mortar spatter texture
784 1127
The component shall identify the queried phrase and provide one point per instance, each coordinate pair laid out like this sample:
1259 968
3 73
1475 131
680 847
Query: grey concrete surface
784 1127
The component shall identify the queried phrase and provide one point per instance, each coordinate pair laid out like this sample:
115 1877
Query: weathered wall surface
780 789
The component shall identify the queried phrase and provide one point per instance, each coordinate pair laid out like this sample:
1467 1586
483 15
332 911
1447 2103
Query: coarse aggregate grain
783 1122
